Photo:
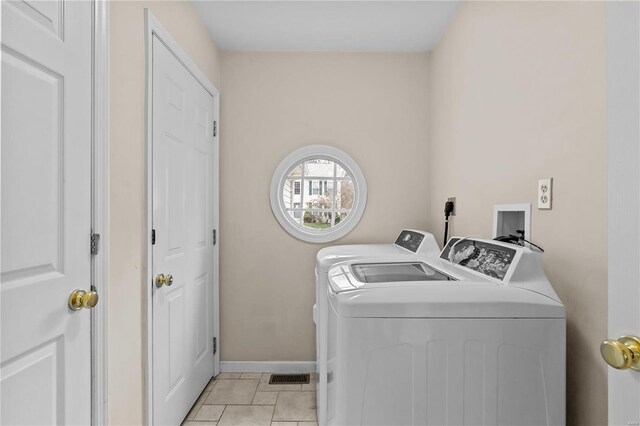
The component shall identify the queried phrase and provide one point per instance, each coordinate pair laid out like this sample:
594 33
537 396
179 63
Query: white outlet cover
545 187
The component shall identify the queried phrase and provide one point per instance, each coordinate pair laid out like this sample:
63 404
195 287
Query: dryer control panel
410 240
422 243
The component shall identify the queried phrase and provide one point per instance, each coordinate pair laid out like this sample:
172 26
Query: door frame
622 26
99 206
153 28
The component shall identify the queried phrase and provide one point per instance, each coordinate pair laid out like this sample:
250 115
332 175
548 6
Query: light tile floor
247 399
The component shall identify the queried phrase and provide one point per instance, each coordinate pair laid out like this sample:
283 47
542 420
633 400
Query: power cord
448 209
518 240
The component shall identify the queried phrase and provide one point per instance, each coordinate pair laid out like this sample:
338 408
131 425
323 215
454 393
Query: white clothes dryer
475 338
409 244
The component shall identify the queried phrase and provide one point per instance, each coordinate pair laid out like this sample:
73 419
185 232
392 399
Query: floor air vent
289 379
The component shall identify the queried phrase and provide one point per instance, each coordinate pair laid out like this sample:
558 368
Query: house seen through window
318 194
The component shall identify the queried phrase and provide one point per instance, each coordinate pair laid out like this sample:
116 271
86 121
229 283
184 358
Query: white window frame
339 157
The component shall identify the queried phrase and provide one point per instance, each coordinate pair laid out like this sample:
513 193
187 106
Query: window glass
345 194
318 211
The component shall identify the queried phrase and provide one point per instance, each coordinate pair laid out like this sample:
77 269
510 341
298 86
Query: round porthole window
318 193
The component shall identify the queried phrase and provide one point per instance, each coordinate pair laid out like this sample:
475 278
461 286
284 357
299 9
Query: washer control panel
410 240
492 260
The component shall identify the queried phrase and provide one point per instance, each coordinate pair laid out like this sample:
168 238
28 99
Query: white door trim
99 208
153 27
622 26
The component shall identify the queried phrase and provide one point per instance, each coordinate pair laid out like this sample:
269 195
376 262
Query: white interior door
183 194
46 187
623 137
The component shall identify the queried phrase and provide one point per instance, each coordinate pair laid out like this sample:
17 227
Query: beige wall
374 107
127 185
512 93
517 94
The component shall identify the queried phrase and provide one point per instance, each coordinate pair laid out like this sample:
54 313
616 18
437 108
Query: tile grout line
274 407
222 414
273 413
256 391
204 391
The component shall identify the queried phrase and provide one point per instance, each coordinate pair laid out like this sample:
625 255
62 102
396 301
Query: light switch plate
544 193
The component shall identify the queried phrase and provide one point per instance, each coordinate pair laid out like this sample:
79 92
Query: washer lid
455 299
398 294
397 272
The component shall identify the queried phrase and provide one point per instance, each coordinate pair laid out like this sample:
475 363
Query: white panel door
46 187
623 139
182 140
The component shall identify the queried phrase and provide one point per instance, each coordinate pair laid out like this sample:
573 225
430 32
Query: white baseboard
267 366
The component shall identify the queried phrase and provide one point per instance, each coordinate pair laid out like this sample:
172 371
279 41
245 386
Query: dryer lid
409 243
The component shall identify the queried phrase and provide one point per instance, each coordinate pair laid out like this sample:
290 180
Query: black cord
535 245
448 209
518 240
446 230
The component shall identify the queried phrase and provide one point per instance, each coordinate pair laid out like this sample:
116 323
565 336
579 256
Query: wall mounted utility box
508 218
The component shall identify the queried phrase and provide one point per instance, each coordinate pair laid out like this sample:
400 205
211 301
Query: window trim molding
330 153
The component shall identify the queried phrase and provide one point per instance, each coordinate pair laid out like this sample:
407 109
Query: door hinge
215 237
215 345
215 129
153 236
95 243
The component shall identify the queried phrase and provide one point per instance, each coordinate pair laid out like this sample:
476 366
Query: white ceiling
370 26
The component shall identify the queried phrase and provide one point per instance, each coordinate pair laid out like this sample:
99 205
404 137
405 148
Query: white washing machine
478 338
409 244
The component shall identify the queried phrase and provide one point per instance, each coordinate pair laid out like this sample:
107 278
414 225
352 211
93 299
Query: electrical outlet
544 193
453 200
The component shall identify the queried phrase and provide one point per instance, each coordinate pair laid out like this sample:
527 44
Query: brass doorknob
162 279
622 353
83 299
